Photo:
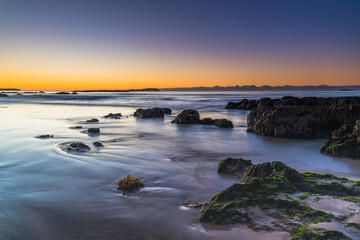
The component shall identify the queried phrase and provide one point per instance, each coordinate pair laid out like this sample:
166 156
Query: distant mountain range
269 88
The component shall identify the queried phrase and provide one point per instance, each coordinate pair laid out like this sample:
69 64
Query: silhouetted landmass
129 90
269 88
9 89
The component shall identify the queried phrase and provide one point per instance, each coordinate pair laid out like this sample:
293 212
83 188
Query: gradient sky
109 44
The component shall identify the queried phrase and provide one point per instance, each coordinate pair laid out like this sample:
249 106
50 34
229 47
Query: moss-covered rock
344 142
279 192
130 185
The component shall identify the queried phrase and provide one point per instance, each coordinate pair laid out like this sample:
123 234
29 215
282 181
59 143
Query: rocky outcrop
152 112
292 117
113 115
93 120
130 185
344 142
191 116
276 191
77 147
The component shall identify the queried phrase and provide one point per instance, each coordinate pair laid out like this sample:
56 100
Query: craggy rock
152 112
244 104
344 142
307 118
77 147
94 130
130 185
191 116
3 95
93 120
45 136
98 144
223 123
274 189
113 115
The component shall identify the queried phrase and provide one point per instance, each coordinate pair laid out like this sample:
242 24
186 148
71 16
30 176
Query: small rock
208 121
45 136
93 120
113 115
3 95
77 147
130 185
98 144
94 130
223 123
62 93
189 116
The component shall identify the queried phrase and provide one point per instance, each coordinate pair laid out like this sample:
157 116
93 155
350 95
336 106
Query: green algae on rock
344 142
130 185
281 193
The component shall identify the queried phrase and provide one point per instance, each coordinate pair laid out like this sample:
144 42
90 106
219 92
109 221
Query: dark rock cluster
152 112
191 116
113 115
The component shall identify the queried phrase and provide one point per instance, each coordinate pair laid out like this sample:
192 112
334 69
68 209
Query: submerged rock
77 147
93 120
151 112
62 93
130 185
77 127
98 144
94 130
45 136
344 142
3 95
113 115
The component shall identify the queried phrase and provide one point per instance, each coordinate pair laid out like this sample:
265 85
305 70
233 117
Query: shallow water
46 193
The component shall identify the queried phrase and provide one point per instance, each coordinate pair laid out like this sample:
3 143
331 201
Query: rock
305 118
62 93
235 166
189 116
3 95
130 185
93 120
274 190
223 123
77 147
208 121
244 104
45 136
98 144
77 127
94 130
151 112
113 115
344 142
74 92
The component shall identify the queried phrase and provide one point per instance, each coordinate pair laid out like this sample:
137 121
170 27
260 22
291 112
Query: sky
113 44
